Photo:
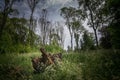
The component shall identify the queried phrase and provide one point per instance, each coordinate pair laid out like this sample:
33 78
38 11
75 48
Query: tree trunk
4 20
71 42
93 26
31 29
96 37
71 37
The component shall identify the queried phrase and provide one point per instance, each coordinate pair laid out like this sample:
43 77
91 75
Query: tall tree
73 17
5 10
60 32
78 29
68 13
44 26
32 5
92 10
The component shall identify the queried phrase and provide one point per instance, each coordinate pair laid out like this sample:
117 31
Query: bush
53 48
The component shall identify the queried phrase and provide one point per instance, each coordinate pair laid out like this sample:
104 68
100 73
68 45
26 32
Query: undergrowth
89 65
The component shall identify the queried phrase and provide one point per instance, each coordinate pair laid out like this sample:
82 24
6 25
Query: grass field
90 65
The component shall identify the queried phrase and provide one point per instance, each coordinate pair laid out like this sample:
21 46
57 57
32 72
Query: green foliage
92 11
62 70
105 40
5 43
78 58
53 48
114 30
88 42
24 48
15 38
10 72
89 65
15 66
111 9
114 26
102 65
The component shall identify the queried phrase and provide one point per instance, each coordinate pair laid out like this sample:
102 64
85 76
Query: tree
87 42
45 27
74 18
19 30
32 5
68 14
5 11
78 29
92 10
60 32
55 37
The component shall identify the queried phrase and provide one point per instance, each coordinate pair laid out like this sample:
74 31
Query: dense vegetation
90 55
92 65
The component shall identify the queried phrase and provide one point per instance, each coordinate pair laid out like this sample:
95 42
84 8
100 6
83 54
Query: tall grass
90 65
64 70
102 65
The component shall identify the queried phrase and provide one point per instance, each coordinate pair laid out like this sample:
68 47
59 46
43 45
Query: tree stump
40 63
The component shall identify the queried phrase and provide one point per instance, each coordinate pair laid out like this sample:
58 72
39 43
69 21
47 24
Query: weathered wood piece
40 63
46 58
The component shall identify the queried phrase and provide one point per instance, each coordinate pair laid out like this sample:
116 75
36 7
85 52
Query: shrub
53 48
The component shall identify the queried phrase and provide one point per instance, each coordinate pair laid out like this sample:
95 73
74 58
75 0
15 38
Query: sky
53 7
